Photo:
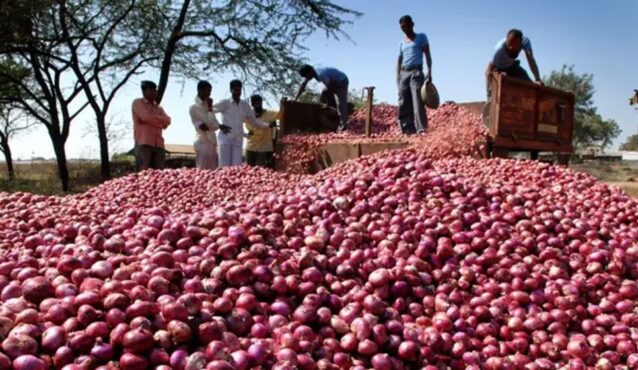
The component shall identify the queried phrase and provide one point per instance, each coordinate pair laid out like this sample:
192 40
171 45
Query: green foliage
261 42
589 126
631 144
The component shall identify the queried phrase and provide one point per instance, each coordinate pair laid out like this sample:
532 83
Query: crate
527 117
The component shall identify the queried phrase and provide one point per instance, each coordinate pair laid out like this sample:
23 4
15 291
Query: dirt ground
621 174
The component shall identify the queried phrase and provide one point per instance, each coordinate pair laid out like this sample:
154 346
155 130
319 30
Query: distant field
622 174
40 177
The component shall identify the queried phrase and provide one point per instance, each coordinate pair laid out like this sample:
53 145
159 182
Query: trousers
230 151
147 156
337 97
205 155
412 115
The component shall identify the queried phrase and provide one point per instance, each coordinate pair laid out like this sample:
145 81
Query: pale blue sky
599 37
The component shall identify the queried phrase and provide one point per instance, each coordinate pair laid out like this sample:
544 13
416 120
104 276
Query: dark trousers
412 115
147 156
515 71
264 159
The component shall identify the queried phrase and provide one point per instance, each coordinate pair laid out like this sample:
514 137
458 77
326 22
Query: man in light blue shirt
336 88
505 58
410 78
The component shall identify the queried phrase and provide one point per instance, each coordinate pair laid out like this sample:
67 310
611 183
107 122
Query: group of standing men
217 144
221 144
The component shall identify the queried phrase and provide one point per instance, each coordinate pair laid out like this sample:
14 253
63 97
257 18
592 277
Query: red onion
28 362
138 340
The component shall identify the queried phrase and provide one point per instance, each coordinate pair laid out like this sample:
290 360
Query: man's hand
539 82
428 77
225 129
203 127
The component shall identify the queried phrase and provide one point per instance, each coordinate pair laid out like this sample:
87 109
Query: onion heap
415 258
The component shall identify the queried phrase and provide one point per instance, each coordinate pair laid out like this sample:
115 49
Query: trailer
524 116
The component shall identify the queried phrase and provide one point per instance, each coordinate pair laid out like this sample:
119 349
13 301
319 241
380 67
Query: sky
598 37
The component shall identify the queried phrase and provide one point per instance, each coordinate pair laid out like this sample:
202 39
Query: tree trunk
105 163
60 156
6 150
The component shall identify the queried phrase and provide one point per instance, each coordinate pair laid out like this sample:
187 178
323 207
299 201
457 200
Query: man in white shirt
234 113
206 124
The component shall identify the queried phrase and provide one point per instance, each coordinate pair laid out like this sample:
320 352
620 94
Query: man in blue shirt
410 78
336 86
505 58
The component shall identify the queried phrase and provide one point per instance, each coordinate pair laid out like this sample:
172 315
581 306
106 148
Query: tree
12 121
631 144
101 44
589 127
261 41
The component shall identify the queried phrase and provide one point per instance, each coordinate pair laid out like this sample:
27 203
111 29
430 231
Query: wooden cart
523 116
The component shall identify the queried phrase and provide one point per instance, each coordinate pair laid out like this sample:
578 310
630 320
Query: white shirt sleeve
250 117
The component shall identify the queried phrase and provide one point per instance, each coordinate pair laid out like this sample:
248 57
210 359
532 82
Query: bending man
336 87
505 58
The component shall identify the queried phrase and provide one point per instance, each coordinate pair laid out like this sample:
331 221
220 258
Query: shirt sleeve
198 116
220 107
148 118
250 118
527 45
424 40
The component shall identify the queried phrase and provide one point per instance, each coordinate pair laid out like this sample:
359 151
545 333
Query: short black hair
235 83
406 18
516 33
148 85
256 97
306 69
204 85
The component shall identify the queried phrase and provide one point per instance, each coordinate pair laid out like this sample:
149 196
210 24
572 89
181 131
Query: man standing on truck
234 113
336 85
505 58
259 144
206 124
149 120
410 78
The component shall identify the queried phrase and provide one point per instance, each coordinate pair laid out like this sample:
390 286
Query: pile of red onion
400 260
452 131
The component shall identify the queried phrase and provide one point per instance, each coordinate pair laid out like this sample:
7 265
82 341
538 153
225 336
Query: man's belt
412 68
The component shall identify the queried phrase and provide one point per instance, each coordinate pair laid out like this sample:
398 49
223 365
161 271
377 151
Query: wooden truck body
524 116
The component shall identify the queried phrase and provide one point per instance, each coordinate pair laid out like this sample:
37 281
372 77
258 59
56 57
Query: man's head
204 89
307 71
407 25
514 41
257 103
149 90
235 89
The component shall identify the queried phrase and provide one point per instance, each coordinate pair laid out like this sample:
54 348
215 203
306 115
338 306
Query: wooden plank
371 148
542 146
340 152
